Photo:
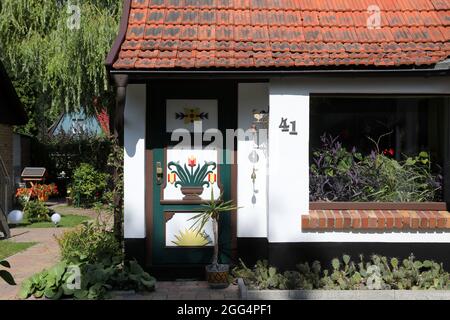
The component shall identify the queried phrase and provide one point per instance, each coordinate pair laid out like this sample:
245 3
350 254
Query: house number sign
291 128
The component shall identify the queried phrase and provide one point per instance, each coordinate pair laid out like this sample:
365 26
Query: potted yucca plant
216 274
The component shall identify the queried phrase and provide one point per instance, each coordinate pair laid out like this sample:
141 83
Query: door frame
149 170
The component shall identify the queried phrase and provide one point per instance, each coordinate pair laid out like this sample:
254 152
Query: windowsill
376 216
419 206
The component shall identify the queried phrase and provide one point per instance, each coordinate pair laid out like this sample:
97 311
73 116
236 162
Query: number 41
286 128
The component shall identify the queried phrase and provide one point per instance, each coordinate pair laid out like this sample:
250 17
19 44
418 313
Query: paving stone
159 296
24 264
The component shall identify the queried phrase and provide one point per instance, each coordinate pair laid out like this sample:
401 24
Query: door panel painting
192 175
185 113
181 232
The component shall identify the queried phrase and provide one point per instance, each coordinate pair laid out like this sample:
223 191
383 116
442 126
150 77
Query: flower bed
346 279
337 174
246 294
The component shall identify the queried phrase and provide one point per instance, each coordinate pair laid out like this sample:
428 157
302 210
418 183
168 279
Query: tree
54 50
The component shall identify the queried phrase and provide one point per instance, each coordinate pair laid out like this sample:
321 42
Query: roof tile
283 33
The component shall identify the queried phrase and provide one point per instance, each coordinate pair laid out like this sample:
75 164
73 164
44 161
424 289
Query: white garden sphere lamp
15 216
56 218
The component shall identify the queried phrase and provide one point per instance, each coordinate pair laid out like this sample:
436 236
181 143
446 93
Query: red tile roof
188 34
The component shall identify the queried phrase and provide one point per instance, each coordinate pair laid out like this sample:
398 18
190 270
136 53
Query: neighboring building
315 67
76 123
11 113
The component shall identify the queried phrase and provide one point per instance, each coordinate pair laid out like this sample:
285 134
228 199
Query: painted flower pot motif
192 180
191 193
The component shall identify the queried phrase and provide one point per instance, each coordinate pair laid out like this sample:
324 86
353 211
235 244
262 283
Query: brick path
44 254
182 290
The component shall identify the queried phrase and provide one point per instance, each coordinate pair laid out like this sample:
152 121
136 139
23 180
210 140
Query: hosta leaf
149 284
80 294
24 291
66 290
135 268
49 293
38 294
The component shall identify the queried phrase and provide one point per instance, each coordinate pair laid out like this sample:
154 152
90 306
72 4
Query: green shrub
88 185
36 211
91 242
95 280
95 253
379 273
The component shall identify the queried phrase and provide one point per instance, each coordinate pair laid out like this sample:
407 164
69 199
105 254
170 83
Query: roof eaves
264 74
114 52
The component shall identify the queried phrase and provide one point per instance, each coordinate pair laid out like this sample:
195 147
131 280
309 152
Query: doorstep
180 290
378 220
246 294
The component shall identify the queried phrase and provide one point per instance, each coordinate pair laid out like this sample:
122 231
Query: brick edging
375 220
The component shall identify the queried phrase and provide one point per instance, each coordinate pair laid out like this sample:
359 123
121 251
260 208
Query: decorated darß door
180 178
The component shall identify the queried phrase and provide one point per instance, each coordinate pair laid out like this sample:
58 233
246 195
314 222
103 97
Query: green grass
9 248
67 221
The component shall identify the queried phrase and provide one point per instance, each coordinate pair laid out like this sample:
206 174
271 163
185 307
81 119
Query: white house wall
285 197
252 216
134 162
288 189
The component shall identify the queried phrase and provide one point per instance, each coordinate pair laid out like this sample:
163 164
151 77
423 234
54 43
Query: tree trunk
4 228
215 259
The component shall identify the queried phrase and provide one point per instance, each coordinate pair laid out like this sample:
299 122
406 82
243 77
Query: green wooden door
172 242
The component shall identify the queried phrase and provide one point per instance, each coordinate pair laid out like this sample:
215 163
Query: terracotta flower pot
192 193
217 276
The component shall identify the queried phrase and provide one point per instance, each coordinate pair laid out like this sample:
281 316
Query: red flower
389 151
103 119
192 161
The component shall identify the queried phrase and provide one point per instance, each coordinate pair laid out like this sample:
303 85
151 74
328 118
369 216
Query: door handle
159 173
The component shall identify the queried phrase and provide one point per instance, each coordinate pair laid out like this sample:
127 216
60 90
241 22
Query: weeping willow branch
65 67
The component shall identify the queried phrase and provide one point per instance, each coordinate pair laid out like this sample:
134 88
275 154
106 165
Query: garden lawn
64 209
9 248
67 221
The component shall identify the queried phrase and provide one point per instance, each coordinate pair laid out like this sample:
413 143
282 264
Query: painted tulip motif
172 177
212 178
192 174
192 161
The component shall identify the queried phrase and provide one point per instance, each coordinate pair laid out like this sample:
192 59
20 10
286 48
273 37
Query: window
377 148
